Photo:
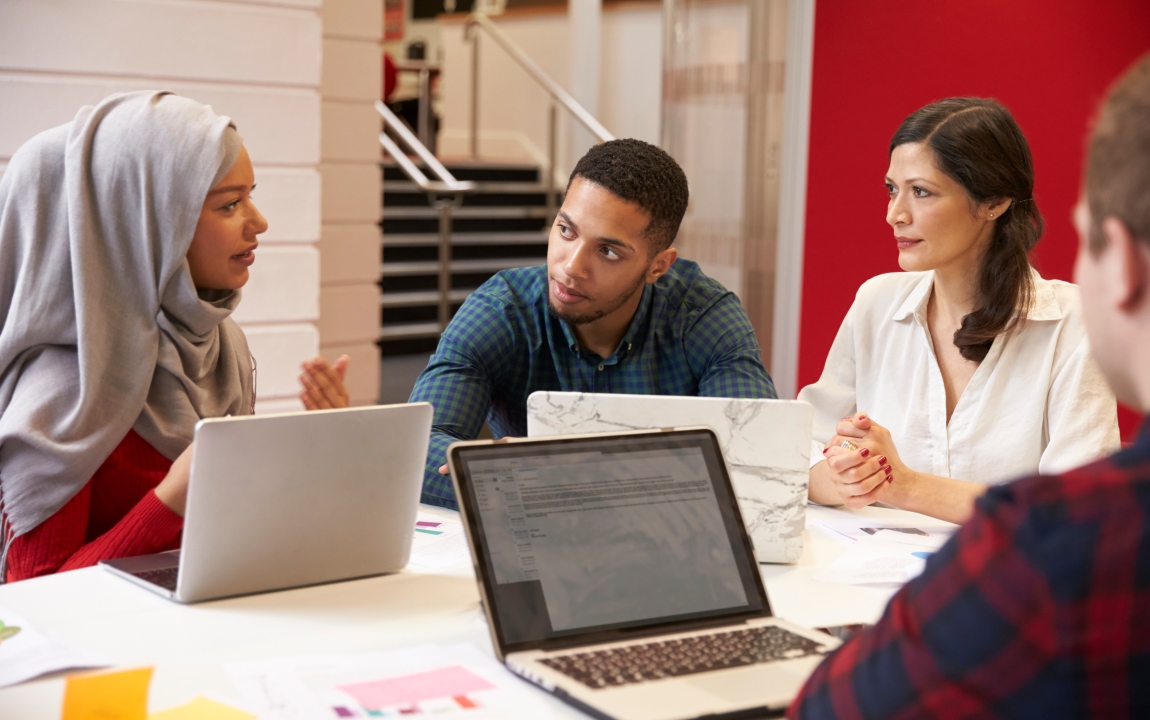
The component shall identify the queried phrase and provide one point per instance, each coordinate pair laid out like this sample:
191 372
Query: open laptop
280 501
616 573
766 444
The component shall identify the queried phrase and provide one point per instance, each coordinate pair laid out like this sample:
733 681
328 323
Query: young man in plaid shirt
1040 605
611 312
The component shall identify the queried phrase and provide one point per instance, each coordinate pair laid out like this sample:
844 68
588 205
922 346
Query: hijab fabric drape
101 327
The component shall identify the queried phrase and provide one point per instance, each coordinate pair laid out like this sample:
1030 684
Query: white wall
352 191
257 61
513 109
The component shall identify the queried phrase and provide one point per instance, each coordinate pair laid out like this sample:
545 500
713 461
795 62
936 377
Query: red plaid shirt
1039 607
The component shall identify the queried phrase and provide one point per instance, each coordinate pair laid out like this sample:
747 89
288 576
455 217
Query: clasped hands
871 471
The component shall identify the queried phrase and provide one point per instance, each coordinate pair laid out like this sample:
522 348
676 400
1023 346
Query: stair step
407 186
464 213
457 266
475 172
422 297
409 331
507 238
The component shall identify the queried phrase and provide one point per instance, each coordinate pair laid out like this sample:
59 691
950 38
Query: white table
188 645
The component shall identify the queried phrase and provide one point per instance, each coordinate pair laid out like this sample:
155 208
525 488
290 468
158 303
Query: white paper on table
887 557
307 687
29 653
438 552
850 530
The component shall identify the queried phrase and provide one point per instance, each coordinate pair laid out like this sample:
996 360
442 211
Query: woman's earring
991 216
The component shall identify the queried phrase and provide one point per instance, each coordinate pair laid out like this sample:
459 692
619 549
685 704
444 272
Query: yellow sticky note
201 709
115 695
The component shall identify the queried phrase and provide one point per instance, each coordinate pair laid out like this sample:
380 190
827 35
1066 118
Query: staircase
503 225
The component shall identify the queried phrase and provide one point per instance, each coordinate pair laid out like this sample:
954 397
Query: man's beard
590 317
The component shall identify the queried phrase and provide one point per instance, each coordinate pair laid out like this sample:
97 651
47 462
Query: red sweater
115 515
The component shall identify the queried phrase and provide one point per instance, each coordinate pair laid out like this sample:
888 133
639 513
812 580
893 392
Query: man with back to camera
1040 605
612 311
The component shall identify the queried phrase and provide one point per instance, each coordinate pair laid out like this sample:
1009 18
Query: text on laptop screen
606 534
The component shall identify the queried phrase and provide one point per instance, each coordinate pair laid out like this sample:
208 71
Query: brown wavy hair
977 142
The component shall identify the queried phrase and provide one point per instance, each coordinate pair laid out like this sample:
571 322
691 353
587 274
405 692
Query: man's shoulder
686 285
517 287
1056 520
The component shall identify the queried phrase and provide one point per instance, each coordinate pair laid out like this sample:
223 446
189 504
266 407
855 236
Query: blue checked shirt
690 336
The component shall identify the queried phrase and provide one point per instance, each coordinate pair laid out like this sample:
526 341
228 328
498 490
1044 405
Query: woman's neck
954 293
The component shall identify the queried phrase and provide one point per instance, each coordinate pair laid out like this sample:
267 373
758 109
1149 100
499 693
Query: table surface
189 644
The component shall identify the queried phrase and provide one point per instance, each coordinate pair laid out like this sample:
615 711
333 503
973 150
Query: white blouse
1036 403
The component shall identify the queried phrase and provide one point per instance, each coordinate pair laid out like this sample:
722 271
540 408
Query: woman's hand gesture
323 387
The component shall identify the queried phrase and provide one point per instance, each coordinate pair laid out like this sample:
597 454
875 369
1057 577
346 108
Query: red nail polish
825 450
890 478
864 452
887 469
882 459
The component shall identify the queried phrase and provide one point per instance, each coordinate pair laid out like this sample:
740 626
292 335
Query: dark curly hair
642 174
977 142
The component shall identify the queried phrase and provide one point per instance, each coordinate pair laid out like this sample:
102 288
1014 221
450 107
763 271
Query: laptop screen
584 536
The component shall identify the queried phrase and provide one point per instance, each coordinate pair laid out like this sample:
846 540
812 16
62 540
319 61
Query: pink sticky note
445 682
427 523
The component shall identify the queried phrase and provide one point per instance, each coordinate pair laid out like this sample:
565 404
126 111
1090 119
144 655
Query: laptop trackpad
769 685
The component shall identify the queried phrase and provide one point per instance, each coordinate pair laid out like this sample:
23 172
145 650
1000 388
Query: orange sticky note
115 695
202 709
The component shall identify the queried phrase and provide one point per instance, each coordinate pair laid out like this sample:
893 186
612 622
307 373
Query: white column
350 248
585 28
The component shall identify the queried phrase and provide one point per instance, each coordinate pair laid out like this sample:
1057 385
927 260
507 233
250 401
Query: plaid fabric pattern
1039 607
689 336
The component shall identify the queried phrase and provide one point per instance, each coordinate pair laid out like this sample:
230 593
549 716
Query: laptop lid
587 539
278 501
766 443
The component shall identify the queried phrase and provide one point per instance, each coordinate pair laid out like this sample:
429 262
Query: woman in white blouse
969 369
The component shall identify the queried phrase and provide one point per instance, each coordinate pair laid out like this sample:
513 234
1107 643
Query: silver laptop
280 501
616 573
766 443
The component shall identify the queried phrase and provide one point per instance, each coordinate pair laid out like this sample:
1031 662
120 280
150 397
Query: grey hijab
101 327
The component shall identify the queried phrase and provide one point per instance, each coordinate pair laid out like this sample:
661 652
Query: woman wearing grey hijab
125 237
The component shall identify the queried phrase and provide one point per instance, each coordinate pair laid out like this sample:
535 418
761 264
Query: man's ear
661 263
1128 261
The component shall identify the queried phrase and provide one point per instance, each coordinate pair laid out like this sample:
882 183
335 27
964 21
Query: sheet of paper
114 695
456 682
886 557
850 530
26 653
407 690
439 544
202 708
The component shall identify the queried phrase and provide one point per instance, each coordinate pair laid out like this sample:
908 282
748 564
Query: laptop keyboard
165 578
683 656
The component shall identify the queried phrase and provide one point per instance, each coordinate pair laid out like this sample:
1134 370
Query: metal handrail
559 96
437 190
557 93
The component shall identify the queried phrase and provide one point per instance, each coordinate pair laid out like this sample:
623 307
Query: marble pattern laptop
766 444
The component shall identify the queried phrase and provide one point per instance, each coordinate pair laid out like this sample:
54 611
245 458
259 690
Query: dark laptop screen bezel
483 564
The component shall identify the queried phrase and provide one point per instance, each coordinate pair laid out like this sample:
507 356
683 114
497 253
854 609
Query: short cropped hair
1118 160
642 174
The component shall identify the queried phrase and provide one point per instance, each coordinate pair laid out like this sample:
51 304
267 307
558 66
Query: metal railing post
444 207
424 119
475 94
552 152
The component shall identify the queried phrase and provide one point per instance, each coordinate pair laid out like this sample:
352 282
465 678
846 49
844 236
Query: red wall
876 61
